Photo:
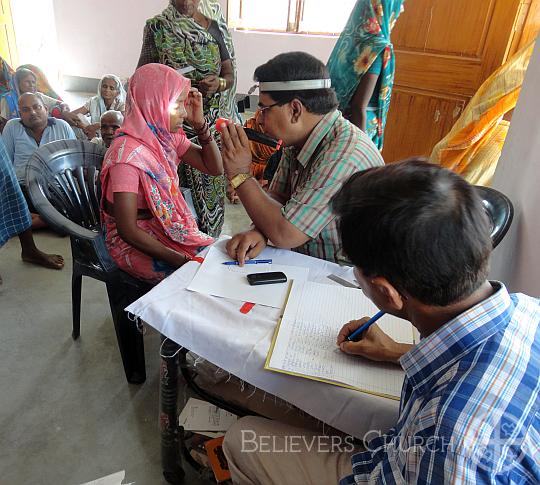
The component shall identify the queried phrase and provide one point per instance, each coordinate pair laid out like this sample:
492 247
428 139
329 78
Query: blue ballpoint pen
353 337
249 261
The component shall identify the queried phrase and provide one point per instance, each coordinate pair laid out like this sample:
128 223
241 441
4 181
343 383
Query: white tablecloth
215 329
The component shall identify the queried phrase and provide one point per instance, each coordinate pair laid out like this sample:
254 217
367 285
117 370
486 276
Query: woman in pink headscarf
150 230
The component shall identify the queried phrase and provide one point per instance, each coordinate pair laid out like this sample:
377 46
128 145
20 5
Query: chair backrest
63 184
500 211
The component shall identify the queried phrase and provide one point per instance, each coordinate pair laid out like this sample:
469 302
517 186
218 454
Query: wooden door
445 49
8 48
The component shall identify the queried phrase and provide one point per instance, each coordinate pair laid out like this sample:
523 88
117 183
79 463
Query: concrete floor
67 413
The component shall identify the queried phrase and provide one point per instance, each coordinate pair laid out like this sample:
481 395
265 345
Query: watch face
239 179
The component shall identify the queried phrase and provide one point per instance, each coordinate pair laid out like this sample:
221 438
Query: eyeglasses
261 108
29 109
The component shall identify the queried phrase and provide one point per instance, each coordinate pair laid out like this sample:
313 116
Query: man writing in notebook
323 149
469 413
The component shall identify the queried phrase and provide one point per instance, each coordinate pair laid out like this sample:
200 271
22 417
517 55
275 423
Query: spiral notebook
304 342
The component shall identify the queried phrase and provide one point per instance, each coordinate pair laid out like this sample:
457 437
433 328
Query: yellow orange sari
474 144
260 153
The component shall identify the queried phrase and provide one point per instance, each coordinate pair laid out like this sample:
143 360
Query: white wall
255 48
516 261
36 35
101 36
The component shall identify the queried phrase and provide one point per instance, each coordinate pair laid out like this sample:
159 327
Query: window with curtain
293 16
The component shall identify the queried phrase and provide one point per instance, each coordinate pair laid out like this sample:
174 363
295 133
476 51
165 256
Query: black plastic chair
500 211
63 184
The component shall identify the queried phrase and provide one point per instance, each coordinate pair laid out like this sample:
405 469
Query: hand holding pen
357 334
374 344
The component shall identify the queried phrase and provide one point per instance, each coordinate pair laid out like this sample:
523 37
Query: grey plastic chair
63 184
500 211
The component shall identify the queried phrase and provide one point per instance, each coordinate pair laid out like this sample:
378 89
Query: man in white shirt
23 136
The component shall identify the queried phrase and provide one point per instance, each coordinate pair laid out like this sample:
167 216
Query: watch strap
239 179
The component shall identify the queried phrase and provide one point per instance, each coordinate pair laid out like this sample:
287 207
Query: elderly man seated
23 136
110 122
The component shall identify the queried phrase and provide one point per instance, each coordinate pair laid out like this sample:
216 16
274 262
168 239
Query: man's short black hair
420 226
298 66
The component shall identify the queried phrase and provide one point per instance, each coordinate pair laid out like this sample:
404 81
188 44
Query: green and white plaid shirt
309 178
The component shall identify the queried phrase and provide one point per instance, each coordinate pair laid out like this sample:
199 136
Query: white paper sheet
114 479
215 278
306 342
200 415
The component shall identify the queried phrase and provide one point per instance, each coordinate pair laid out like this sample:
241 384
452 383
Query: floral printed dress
363 47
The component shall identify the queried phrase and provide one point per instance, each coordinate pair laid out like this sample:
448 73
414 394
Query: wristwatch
239 179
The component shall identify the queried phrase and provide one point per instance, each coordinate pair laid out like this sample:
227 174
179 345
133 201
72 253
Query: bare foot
38 222
53 261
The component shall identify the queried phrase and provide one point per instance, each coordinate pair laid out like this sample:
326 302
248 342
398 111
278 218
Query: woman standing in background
362 65
193 34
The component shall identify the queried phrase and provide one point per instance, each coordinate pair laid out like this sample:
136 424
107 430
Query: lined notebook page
306 340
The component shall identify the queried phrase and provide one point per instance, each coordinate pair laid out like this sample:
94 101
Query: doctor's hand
235 149
374 344
246 245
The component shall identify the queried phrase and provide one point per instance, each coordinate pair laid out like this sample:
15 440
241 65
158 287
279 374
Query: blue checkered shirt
14 213
469 409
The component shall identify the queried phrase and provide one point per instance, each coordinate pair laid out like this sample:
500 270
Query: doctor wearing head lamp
322 150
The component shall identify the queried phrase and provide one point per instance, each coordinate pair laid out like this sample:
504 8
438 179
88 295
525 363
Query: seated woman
111 95
150 230
26 79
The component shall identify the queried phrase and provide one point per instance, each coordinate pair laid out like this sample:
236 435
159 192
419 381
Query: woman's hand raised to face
194 109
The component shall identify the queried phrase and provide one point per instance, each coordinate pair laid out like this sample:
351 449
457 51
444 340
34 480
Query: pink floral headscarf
151 91
145 142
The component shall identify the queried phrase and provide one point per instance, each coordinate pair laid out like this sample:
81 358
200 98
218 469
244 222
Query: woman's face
109 90
187 7
177 112
28 84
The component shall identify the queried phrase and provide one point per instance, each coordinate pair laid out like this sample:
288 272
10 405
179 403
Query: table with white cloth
215 329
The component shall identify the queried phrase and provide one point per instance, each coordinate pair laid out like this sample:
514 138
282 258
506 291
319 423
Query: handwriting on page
306 342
